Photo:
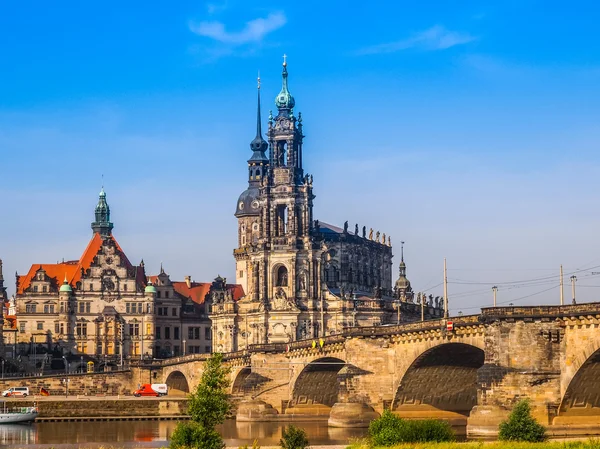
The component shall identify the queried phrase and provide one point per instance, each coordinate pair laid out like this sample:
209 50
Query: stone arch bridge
472 371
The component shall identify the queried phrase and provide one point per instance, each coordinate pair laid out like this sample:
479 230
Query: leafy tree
389 430
208 406
194 435
521 426
294 438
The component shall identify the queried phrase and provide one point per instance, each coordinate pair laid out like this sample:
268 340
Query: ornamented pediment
282 302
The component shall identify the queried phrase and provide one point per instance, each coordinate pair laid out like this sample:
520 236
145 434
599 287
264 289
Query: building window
124 287
197 333
91 287
207 333
148 328
176 332
134 329
45 289
62 307
207 349
56 328
48 308
158 293
167 333
35 289
62 328
241 274
29 308
174 311
175 351
81 329
157 332
166 294
127 307
22 327
40 325
190 333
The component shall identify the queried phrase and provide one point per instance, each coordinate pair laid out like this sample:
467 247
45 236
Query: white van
16 392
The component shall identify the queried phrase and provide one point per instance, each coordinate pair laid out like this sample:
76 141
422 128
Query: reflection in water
156 433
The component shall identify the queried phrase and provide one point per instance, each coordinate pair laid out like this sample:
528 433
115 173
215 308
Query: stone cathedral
302 278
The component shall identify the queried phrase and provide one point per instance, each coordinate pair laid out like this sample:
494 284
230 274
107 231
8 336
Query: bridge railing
541 311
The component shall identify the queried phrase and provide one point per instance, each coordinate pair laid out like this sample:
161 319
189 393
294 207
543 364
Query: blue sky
468 129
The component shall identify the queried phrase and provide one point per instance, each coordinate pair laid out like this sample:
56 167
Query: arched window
282 277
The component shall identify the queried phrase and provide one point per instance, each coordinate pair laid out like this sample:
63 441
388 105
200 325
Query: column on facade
256 274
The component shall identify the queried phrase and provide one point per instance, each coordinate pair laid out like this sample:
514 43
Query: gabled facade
99 305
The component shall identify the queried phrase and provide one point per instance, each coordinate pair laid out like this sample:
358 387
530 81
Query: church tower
102 225
248 208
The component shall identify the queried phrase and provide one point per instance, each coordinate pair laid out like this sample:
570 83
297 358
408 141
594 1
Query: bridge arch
177 383
582 396
247 382
443 377
318 382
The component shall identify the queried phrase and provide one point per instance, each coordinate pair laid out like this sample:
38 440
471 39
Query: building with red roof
105 307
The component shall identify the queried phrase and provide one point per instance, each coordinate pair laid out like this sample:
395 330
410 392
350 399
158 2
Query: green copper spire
284 101
102 225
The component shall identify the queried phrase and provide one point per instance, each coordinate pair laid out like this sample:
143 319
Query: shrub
189 435
389 430
294 438
521 426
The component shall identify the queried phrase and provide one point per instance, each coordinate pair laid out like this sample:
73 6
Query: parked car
151 390
16 392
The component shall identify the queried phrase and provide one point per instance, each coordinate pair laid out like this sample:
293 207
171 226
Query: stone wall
108 384
139 407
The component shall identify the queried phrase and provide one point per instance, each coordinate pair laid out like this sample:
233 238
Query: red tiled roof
197 290
72 270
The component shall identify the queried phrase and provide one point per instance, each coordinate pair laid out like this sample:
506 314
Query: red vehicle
155 390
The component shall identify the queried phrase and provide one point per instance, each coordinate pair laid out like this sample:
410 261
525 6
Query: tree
208 406
521 426
293 438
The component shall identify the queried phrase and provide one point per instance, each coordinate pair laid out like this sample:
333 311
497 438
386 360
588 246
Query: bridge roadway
472 373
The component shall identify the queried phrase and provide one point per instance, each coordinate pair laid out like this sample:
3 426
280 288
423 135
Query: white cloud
434 38
254 30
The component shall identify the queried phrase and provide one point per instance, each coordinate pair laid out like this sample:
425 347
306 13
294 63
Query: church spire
284 101
102 225
258 145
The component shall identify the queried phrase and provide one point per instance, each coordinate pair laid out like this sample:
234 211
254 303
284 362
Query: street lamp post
2 368
184 346
66 377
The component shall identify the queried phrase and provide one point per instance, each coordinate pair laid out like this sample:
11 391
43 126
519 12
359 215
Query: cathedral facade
302 278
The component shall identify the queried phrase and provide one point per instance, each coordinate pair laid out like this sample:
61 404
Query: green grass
589 444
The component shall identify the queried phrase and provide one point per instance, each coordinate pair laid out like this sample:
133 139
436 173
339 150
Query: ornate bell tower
289 214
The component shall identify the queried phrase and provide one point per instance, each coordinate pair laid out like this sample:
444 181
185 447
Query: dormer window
45 289
35 289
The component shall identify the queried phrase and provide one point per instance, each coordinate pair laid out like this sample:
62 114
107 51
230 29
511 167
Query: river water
157 433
